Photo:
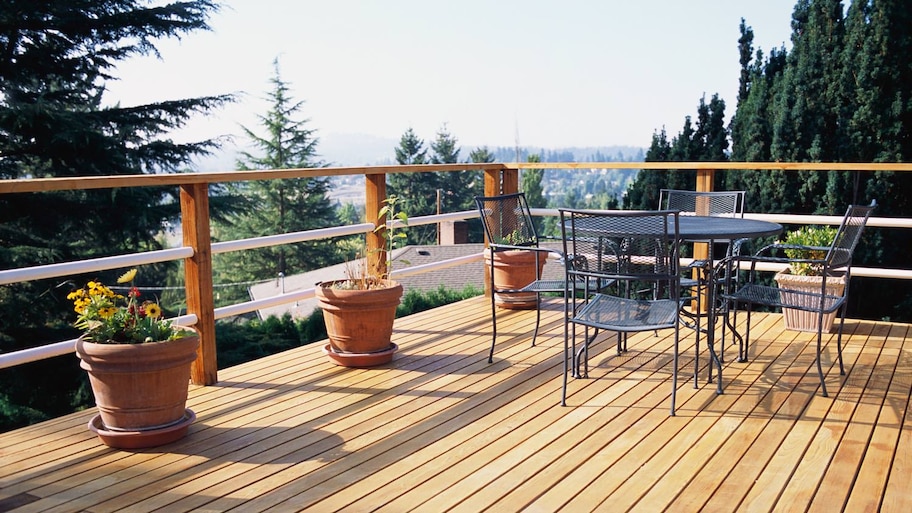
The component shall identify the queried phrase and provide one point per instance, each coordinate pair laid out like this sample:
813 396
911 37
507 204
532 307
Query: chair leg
745 347
839 340
537 316
567 364
697 341
674 372
823 387
493 326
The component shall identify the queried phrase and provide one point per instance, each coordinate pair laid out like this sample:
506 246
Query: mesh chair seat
545 286
785 298
623 314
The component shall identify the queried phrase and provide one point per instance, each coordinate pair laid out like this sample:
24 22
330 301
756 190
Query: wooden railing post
510 181
492 182
194 200
375 195
701 249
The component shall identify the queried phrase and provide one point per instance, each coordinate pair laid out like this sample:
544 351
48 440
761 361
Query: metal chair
508 226
634 252
695 279
837 263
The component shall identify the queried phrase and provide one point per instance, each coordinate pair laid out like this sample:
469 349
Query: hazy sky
556 73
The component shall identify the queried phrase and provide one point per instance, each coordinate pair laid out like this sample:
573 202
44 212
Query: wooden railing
198 248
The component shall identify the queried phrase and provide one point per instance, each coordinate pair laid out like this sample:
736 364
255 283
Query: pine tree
279 206
457 188
708 141
418 190
55 59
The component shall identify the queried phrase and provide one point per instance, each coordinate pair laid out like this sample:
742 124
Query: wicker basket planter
800 320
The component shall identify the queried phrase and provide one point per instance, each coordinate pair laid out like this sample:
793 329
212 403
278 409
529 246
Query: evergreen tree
457 188
279 206
707 141
55 59
417 190
844 93
531 184
411 149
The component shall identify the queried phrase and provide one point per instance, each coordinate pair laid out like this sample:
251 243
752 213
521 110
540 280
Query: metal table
709 229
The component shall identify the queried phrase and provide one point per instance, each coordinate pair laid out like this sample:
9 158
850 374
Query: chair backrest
621 246
848 235
507 220
717 203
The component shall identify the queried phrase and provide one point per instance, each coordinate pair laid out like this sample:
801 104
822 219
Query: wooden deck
440 429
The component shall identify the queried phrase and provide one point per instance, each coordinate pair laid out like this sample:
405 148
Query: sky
548 74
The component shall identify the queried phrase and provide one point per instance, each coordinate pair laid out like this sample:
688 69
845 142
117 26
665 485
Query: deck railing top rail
197 248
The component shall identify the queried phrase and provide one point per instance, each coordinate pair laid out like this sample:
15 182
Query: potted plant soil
359 310
138 366
805 277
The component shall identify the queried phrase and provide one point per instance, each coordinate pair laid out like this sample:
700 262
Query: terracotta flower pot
514 270
360 321
140 388
800 320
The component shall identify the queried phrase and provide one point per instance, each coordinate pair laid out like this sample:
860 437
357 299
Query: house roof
453 278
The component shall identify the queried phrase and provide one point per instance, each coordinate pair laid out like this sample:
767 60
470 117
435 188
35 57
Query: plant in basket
802 279
138 365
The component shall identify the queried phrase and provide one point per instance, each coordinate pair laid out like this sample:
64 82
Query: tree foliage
707 141
278 206
56 58
844 94
418 190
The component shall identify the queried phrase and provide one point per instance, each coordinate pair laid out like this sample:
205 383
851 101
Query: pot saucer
360 359
145 438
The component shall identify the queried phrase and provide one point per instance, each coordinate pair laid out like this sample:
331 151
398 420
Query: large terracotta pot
360 322
140 389
515 269
800 320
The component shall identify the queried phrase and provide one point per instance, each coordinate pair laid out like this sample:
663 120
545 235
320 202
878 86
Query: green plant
514 238
811 236
360 275
106 317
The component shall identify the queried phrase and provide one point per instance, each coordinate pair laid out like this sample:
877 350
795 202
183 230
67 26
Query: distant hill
370 150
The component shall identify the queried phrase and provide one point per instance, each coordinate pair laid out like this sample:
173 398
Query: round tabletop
724 228
698 228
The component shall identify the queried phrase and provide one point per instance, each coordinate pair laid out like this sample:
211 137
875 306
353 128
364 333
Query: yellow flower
107 312
153 310
127 276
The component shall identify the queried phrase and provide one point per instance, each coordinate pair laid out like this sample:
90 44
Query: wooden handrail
498 178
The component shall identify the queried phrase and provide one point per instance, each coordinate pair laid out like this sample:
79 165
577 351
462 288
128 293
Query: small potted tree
359 310
807 277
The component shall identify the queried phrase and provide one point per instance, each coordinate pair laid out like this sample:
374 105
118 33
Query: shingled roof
453 278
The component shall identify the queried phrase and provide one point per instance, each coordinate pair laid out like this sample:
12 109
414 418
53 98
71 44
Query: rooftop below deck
440 429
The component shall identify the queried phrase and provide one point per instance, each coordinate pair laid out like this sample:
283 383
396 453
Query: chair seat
620 314
545 286
785 298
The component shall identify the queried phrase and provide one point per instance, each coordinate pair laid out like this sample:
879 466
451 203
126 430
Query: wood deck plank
441 429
